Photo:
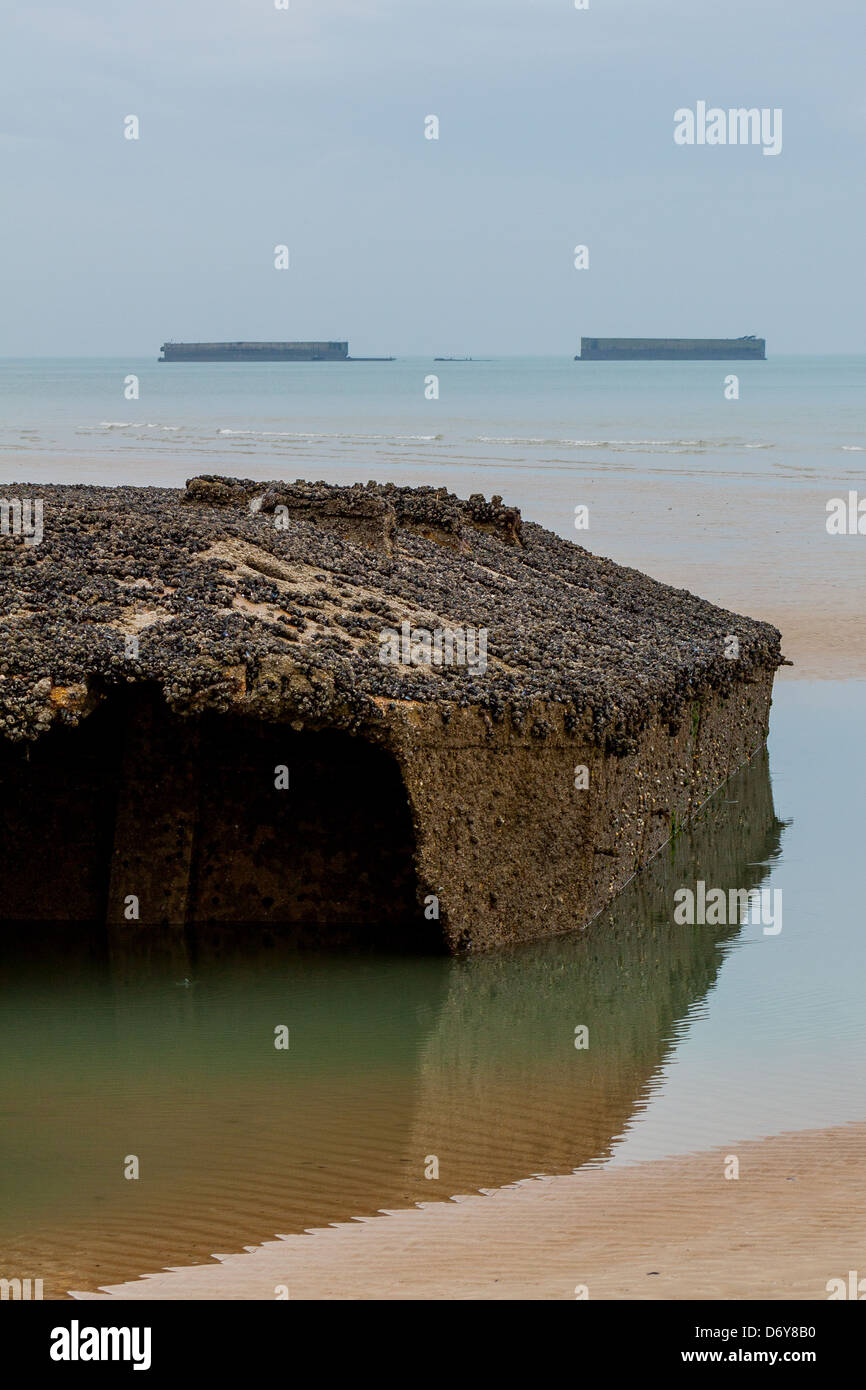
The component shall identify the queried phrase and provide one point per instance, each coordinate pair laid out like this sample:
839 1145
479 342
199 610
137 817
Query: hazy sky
305 127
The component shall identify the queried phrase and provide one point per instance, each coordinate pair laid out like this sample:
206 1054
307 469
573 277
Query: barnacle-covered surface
277 594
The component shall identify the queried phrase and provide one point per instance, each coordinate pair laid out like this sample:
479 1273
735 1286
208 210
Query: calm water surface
698 1036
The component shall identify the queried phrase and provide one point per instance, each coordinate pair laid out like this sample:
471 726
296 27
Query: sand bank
755 546
673 1229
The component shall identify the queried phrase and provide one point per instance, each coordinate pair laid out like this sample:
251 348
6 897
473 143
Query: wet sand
673 1229
757 546
823 631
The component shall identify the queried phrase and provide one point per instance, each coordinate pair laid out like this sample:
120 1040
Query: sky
305 127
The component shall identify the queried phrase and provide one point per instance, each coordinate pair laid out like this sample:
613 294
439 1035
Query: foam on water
487 412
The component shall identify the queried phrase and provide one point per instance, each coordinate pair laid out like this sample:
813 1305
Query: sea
508 424
699 1036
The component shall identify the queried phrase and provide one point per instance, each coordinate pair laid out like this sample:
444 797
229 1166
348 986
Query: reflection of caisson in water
505 1090
162 1045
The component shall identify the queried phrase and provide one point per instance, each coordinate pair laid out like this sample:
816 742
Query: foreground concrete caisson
347 713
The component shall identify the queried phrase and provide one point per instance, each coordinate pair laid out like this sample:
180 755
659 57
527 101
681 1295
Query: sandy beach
758 547
673 1229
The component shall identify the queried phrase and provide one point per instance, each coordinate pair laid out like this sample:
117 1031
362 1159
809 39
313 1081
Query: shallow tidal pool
697 1036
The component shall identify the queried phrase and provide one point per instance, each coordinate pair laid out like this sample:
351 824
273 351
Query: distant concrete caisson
748 349
254 352
261 352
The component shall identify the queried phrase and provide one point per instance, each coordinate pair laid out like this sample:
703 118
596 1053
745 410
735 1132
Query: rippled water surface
67 420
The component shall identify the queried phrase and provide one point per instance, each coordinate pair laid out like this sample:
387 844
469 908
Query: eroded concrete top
276 595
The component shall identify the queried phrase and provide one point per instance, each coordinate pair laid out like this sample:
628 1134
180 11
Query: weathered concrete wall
514 851
184 815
